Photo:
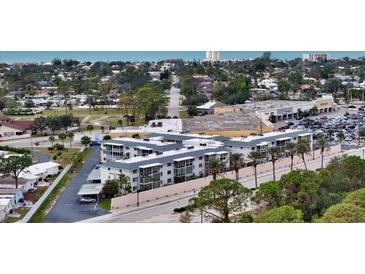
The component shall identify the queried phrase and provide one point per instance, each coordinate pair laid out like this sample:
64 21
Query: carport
90 191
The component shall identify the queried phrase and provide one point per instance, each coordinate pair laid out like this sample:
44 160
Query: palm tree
89 128
274 155
302 149
254 156
236 163
215 168
322 145
52 140
70 135
62 137
341 136
290 148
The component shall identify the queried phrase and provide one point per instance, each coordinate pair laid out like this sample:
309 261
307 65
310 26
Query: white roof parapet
184 158
150 165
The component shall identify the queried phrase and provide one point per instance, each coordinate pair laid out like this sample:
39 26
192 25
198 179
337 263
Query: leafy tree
255 158
274 155
62 137
269 195
356 198
89 128
236 163
107 137
29 104
283 86
2 104
53 124
352 167
85 140
110 189
70 135
192 111
48 104
283 214
40 124
14 165
223 196
215 168
52 140
302 148
344 213
291 150
65 121
301 189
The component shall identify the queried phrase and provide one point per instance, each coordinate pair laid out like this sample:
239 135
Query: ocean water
45 56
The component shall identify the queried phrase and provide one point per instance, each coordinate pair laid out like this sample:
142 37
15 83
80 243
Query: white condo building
212 56
165 168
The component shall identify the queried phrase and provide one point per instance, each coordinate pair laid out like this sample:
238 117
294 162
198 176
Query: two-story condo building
165 168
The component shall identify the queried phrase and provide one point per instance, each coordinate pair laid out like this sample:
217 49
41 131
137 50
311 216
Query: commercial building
170 167
208 108
280 110
315 57
124 148
10 129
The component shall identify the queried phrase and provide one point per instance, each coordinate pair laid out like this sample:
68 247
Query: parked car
87 200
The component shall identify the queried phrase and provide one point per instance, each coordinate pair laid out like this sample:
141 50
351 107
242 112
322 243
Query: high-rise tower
212 56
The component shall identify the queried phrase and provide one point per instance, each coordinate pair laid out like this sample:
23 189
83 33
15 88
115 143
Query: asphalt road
174 95
42 157
67 208
162 211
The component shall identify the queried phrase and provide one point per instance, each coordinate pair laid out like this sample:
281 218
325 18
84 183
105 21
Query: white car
348 138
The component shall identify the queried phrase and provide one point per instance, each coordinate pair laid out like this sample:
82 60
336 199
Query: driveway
42 157
67 208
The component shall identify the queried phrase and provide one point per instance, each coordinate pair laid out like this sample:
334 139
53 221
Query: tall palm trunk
305 165
255 170
273 170
291 162
322 156
237 171
16 182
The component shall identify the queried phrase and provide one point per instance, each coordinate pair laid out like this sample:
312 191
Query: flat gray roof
90 189
155 145
136 162
253 141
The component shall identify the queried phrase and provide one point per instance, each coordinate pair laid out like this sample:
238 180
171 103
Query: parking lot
341 126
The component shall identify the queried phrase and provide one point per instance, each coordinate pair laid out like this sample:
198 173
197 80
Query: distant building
315 57
212 56
208 108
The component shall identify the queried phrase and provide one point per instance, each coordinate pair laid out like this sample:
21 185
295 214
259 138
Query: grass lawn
105 204
38 217
183 114
22 211
62 157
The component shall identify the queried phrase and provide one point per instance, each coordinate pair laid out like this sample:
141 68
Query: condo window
168 164
201 158
134 170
